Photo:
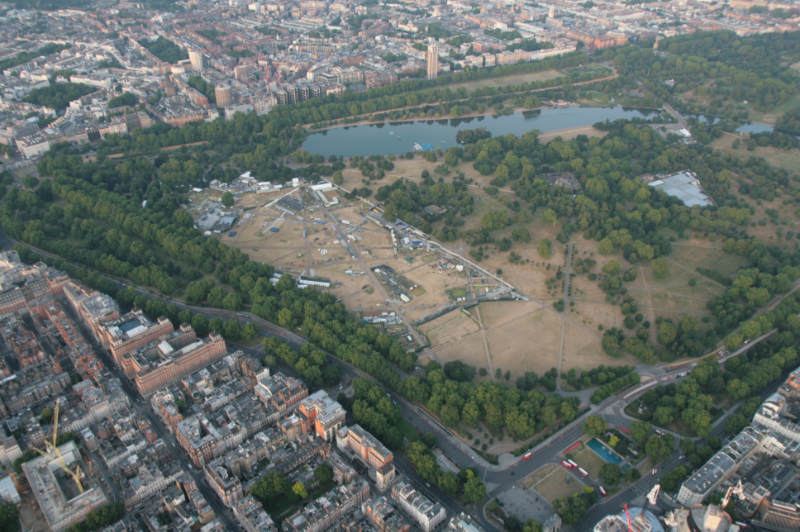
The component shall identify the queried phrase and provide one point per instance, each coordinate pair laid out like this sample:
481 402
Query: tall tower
197 60
552 13
224 96
433 61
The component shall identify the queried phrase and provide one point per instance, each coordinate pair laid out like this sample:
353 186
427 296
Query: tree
549 217
474 489
300 490
47 415
640 431
429 439
545 248
660 268
390 212
611 474
606 247
595 426
250 331
612 267
323 473
448 482
520 234
666 333
9 517
270 486
660 448
737 389
227 200
735 424
632 475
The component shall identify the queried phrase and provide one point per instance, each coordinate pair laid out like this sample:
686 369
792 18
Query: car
681 457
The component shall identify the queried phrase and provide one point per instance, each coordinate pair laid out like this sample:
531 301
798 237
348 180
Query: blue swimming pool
604 451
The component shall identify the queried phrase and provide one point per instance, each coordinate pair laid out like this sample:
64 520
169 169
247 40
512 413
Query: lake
399 137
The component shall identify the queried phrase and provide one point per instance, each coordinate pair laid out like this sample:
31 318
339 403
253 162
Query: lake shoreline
473 114
427 133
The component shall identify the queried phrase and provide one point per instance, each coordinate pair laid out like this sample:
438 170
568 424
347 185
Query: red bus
626 431
573 464
567 465
601 490
583 472
573 447
526 456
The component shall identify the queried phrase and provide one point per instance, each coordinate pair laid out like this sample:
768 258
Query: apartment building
381 513
130 332
224 483
321 415
355 442
92 306
163 365
281 390
251 516
719 467
330 509
21 283
427 514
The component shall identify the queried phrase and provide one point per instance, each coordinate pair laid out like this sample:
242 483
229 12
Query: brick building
322 415
130 332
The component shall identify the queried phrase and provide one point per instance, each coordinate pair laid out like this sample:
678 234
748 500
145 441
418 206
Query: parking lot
525 504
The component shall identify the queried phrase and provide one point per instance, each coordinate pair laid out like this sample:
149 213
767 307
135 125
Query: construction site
375 267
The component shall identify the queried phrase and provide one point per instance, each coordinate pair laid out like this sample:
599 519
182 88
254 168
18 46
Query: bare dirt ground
470 352
558 483
582 351
528 344
451 327
31 515
497 313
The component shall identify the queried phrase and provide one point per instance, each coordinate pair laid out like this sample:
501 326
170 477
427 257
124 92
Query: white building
721 466
33 146
426 513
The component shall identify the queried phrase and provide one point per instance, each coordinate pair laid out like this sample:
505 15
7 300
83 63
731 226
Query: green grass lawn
408 431
789 105
250 343
455 293
597 96
590 461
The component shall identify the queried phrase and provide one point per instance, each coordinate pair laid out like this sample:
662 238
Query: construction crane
737 490
652 495
628 517
52 448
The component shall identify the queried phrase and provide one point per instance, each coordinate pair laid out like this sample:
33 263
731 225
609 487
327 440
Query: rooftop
686 187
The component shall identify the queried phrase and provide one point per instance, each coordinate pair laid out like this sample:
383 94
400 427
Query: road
566 306
223 514
499 478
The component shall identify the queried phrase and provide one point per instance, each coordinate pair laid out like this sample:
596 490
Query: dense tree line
59 95
309 362
719 66
24 57
466 485
99 518
166 50
522 413
203 87
123 100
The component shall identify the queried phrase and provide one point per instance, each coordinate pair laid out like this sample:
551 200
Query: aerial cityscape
400 266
